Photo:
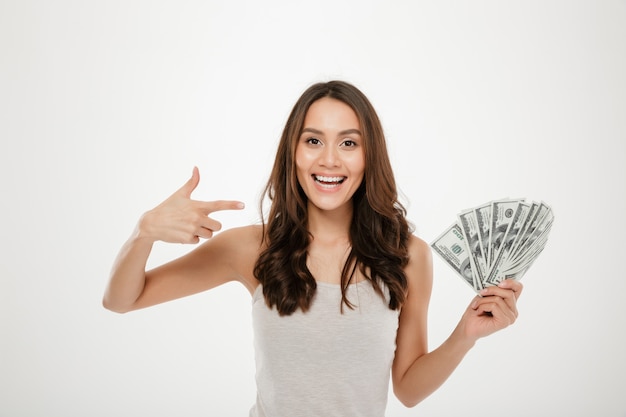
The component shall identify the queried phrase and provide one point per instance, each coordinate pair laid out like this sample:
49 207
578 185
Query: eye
349 143
313 141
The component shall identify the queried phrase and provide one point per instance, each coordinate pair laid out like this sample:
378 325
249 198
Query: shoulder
419 268
240 247
250 236
239 243
420 254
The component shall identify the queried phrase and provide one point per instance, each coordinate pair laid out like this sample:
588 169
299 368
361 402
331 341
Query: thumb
191 183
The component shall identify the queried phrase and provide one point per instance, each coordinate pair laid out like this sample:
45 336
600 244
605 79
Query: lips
328 182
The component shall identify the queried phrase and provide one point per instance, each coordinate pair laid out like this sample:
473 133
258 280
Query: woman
340 285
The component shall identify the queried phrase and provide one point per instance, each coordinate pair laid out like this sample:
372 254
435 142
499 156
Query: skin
330 146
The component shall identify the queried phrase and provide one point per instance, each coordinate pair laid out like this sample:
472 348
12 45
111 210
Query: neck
330 226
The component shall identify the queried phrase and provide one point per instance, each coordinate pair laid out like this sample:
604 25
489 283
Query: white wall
106 106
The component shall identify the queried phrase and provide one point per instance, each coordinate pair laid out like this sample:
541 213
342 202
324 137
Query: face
330 159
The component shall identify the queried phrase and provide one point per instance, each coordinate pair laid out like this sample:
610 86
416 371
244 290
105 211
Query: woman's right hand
179 219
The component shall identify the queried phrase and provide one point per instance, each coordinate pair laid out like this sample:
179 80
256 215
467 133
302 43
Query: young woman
340 285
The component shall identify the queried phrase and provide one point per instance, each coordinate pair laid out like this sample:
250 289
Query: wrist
461 340
143 229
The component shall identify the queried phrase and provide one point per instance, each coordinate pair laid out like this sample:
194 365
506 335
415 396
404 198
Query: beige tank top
323 362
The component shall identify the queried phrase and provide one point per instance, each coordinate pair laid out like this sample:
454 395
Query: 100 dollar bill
451 246
495 241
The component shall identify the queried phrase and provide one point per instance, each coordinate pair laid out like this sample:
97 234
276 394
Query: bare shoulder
240 248
420 255
417 246
246 237
419 270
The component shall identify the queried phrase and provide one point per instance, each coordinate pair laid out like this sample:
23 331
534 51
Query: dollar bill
540 226
469 227
483 223
450 245
516 223
495 241
502 214
532 210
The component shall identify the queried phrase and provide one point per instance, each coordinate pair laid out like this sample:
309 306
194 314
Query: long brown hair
379 231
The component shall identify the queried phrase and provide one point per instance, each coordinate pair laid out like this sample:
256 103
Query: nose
329 156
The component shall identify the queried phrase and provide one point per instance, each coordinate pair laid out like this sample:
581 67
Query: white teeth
328 179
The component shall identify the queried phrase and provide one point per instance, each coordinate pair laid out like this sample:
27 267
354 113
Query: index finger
220 205
513 285
507 290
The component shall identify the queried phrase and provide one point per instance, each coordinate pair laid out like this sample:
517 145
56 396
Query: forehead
331 113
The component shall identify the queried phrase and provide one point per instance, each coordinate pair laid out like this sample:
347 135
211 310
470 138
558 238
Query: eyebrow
343 132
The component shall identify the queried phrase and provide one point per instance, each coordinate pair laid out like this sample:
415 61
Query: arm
417 373
178 219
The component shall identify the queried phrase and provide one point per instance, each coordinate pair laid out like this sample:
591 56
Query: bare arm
416 372
177 220
127 278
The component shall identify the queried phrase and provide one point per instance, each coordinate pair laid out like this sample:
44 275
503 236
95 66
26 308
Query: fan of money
495 241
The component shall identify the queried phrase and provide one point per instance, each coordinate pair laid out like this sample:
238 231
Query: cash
495 241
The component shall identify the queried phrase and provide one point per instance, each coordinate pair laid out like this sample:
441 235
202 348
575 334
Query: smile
328 182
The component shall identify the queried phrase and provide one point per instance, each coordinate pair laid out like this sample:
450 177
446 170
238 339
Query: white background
105 107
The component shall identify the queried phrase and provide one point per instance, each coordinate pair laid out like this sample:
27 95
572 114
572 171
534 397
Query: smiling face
330 156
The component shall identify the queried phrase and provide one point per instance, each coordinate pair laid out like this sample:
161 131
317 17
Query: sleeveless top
323 362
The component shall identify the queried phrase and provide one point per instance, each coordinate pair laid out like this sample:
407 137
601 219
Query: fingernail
484 291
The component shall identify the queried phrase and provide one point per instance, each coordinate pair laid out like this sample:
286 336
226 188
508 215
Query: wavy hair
379 231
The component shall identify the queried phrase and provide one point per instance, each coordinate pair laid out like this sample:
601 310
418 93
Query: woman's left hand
493 310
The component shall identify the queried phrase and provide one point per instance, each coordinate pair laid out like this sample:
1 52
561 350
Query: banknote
450 245
469 227
495 241
502 216
483 222
516 222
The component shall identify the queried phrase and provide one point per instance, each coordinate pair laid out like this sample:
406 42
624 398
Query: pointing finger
220 205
